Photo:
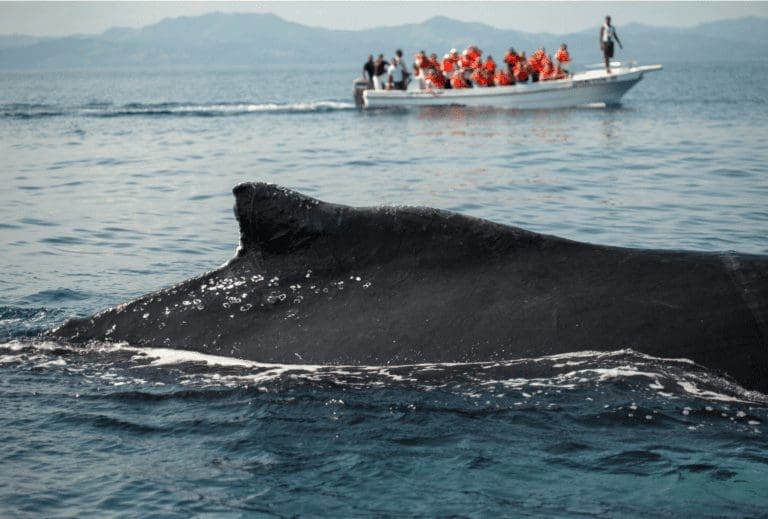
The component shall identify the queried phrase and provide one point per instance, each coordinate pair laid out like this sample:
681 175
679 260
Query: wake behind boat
582 89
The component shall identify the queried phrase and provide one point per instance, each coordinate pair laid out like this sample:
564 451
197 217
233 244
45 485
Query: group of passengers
465 70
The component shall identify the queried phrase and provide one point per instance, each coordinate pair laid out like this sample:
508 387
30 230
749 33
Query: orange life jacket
547 68
458 82
447 65
562 56
502 78
510 58
521 71
480 77
535 62
436 78
490 66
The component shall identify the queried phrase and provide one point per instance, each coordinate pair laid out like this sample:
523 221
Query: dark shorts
608 49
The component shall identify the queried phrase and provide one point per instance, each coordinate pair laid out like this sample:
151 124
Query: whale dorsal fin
272 217
276 220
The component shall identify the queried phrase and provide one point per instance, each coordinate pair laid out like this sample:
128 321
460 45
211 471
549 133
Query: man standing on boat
607 35
380 67
369 70
395 76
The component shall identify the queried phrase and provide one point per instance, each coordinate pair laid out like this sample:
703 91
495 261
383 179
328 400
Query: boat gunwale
383 98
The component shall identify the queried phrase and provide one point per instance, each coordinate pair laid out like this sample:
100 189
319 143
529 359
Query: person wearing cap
466 60
447 64
607 35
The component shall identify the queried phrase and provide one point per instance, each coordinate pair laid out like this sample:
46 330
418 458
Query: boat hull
588 88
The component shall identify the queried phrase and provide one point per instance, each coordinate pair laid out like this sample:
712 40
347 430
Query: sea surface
116 183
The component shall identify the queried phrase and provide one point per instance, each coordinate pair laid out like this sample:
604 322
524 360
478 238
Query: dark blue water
116 183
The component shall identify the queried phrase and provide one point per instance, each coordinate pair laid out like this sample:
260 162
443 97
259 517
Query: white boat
582 89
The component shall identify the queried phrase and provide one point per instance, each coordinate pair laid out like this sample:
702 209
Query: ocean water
116 183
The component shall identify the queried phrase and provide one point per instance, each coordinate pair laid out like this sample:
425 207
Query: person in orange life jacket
434 78
490 65
522 69
447 67
480 76
447 64
459 81
535 64
474 52
547 68
503 78
563 58
607 35
455 57
511 59
466 61
433 61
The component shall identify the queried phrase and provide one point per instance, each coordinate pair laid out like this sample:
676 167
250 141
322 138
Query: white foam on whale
253 373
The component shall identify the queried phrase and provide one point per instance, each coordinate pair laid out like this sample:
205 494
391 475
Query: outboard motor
359 85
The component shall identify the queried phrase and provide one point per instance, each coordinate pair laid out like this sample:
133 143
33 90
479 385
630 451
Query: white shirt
396 72
609 33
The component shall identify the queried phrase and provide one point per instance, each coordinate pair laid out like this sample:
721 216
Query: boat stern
359 86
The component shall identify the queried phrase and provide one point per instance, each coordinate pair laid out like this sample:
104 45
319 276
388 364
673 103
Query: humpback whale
320 283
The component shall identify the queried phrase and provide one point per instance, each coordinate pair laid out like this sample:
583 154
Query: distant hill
250 39
18 40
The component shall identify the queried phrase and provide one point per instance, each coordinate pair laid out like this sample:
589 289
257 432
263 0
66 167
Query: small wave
213 109
30 110
25 322
55 296
107 110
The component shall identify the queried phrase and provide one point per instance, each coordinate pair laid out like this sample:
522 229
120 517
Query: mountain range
219 39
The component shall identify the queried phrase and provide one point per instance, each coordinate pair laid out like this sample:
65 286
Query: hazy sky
64 18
